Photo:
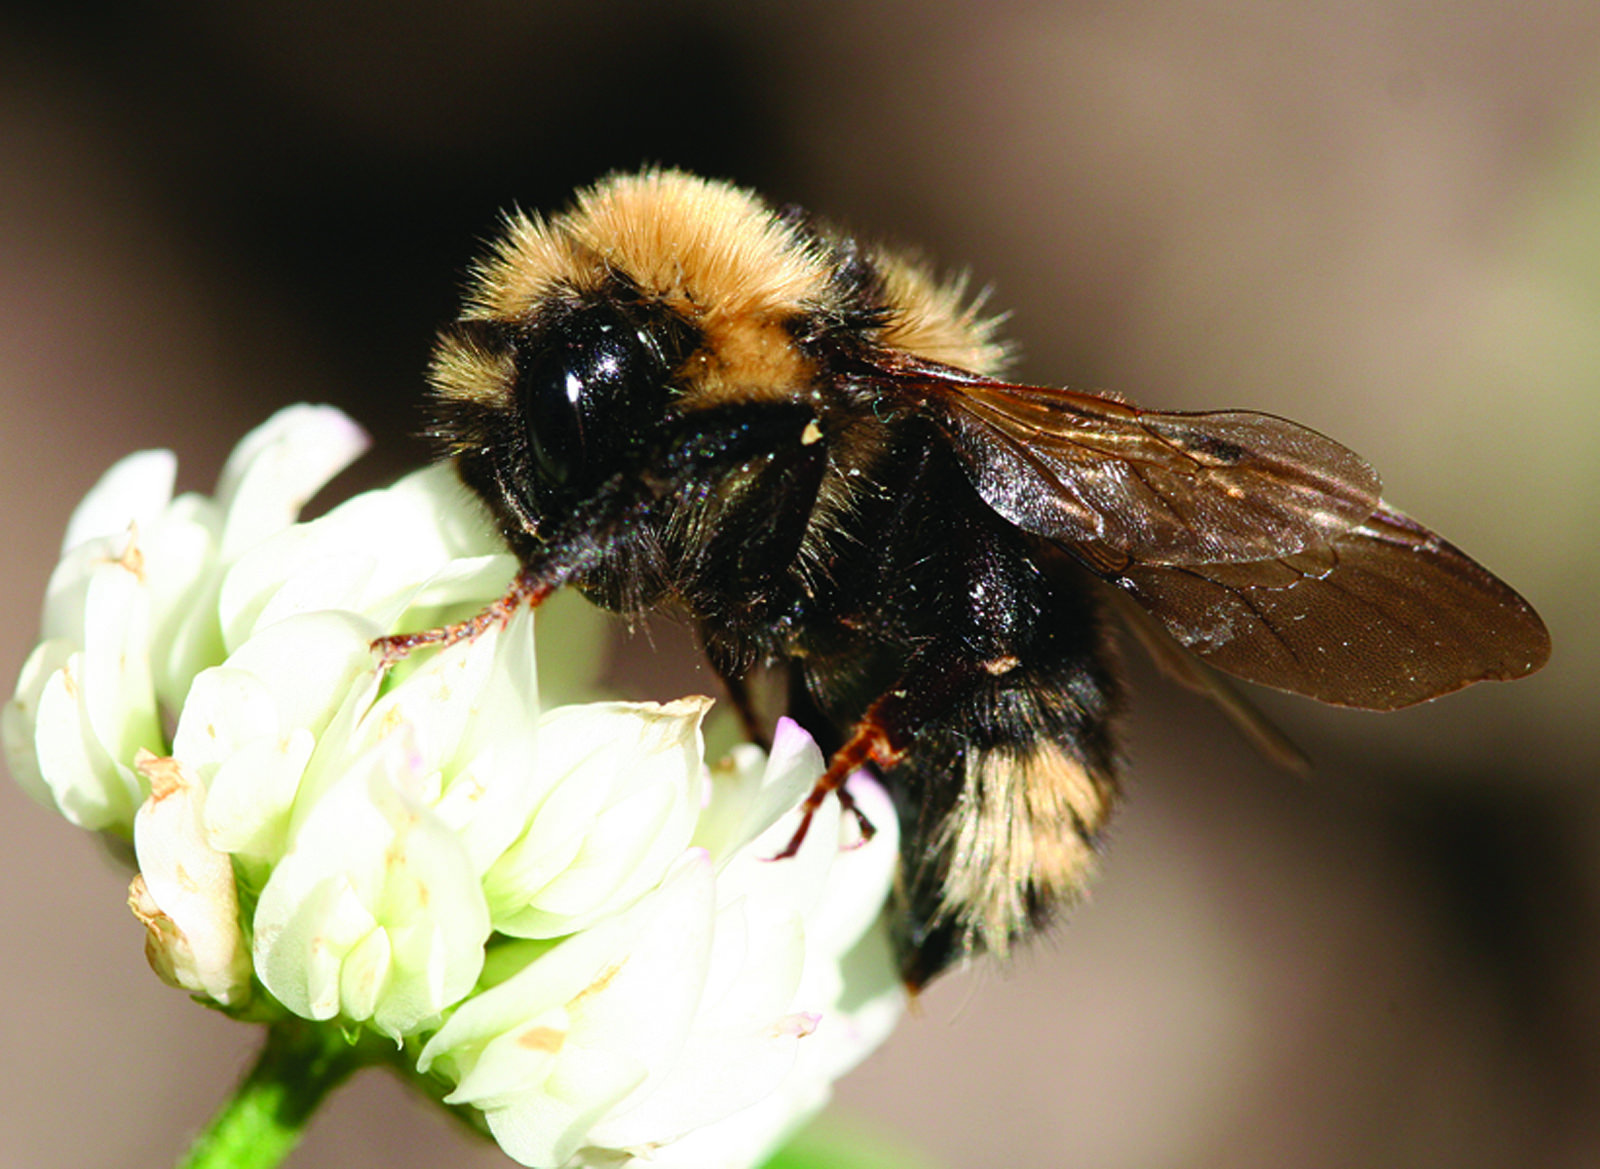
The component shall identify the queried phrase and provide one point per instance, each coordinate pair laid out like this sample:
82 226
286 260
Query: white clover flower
561 913
184 891
712 1009
130 614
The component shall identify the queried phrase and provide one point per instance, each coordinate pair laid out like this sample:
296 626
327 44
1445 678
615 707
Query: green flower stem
831 1143
267 1114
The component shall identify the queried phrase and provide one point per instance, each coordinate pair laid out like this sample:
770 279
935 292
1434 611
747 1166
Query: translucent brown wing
1257 543
1387 615
1173 488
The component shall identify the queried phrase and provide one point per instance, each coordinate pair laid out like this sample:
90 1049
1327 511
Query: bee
674 396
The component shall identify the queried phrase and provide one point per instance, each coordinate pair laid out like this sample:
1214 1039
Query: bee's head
540 412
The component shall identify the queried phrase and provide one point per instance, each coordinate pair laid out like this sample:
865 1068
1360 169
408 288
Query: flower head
562 913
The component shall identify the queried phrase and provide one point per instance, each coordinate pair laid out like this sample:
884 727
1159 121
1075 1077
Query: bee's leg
525 589
868 742
935 681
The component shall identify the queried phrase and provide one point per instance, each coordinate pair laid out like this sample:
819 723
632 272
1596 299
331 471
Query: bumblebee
672 395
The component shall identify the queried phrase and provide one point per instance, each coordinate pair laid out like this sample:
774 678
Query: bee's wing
1386 615
1166 488
1259 544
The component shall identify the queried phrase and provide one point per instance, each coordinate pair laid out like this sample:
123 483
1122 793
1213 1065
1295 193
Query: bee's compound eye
587 387
550 393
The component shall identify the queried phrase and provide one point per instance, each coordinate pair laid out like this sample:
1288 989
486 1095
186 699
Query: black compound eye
550 395
589 388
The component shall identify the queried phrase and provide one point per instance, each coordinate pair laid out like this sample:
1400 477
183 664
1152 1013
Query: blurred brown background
1381 219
